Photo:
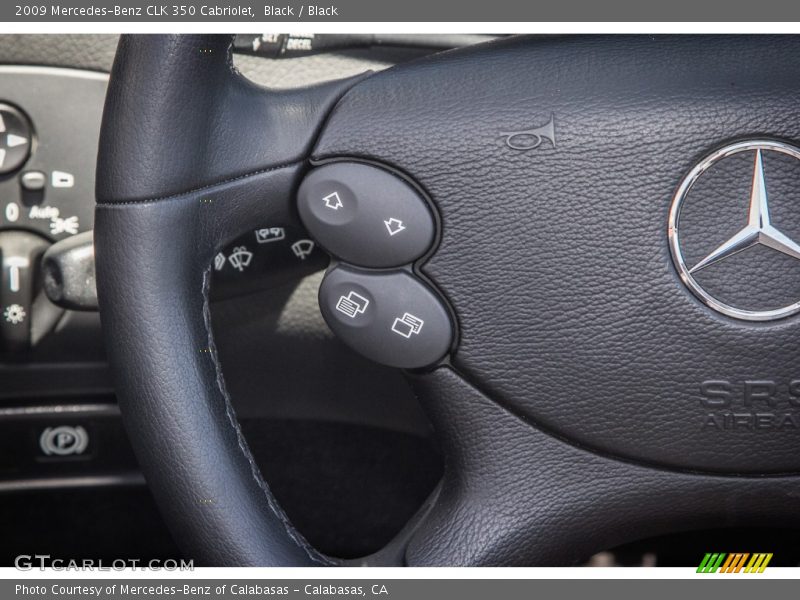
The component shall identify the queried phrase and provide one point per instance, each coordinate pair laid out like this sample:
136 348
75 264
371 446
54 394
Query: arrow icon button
12 141
394 226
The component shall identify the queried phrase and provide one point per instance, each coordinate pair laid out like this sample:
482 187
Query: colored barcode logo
737 562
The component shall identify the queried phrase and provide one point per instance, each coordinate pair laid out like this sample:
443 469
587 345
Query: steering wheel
583 392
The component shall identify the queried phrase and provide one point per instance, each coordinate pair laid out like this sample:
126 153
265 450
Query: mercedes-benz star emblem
757 228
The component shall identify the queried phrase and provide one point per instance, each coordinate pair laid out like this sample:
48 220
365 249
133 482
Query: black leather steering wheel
573 408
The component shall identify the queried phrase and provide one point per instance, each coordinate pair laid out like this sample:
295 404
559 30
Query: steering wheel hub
556 257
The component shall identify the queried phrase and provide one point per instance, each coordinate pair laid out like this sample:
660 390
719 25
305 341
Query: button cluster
376 224
389 317
365 215
51 202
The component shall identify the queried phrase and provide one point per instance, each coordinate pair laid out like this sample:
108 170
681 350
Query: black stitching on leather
295 535
198 189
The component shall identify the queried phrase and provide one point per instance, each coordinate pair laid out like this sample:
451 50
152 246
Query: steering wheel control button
390 317
353 305
16 134
365 215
